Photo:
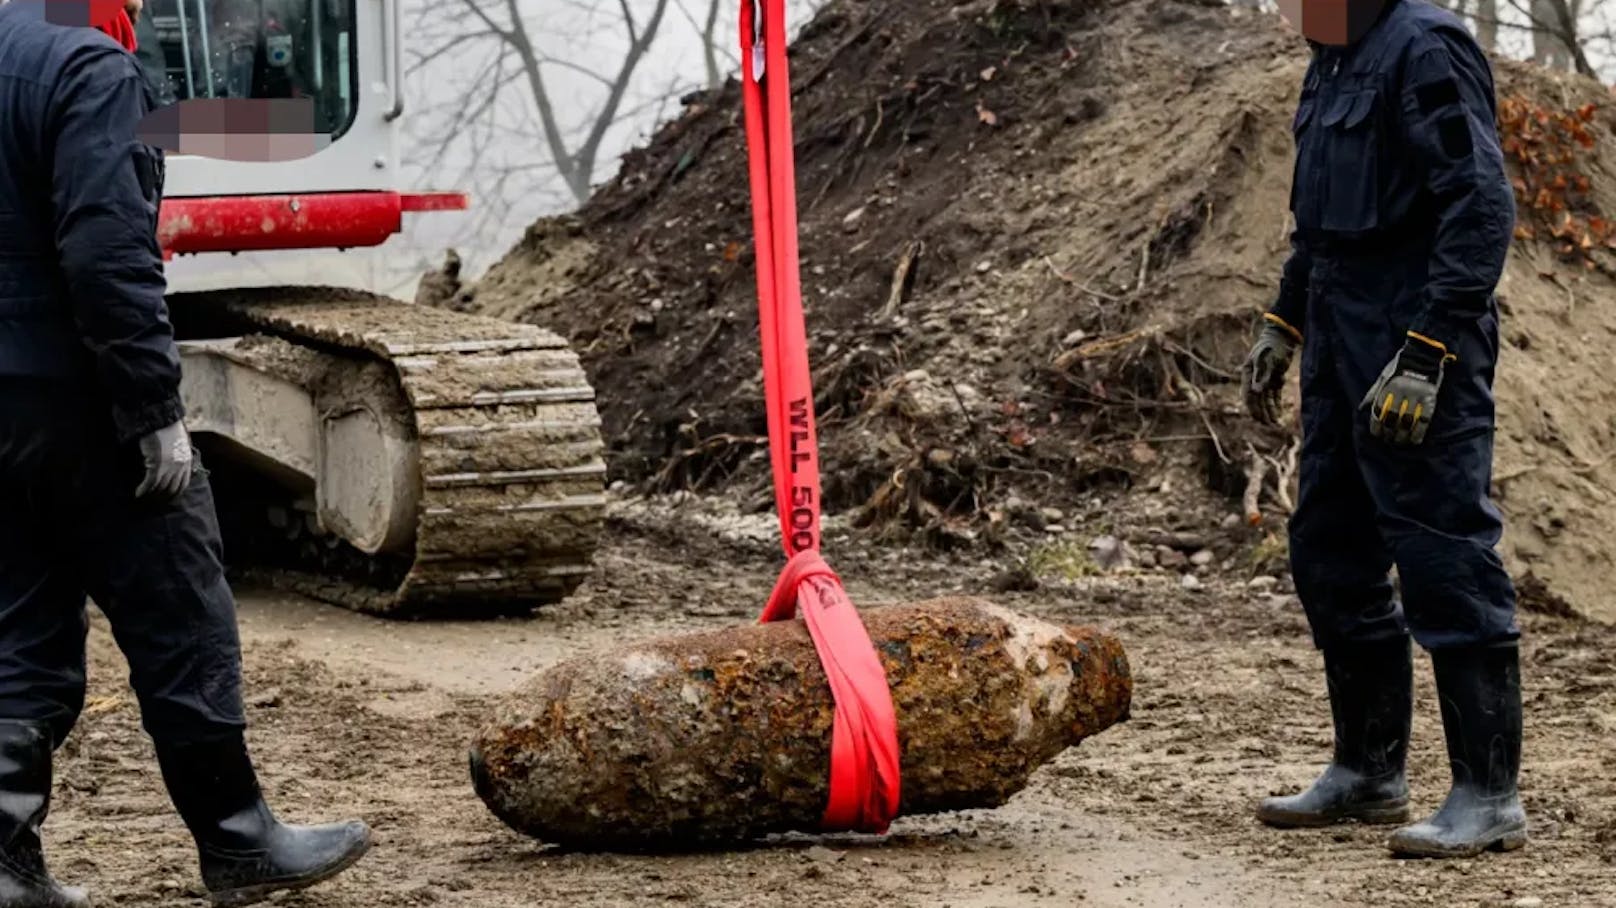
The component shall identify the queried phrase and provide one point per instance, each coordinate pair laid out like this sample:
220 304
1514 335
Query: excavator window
253 49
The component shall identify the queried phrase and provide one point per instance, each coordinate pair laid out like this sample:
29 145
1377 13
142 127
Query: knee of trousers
193 691
1455 591
1346 592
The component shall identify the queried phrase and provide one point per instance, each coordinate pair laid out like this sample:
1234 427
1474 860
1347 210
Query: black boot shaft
1480 694
26 750
1371 689
25 787
215 789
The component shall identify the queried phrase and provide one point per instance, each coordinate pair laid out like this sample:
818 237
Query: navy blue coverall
1404 215
88 365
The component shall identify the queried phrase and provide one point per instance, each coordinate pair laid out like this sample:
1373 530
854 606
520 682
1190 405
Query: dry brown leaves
1551 186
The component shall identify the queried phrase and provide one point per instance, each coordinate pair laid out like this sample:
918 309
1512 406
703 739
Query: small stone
1202 558
822 855
1054 529
1231 521
1075 338
266 699
1109 552
1190 582
1169 557
1053 515
984 266
1528 901
1262 583
1030 518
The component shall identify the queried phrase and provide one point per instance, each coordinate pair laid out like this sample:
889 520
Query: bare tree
492 112
711 53
1487 25
1551 43
1555 30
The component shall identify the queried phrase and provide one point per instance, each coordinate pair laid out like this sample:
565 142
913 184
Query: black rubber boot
25 790
247 854
1371 700
1480 692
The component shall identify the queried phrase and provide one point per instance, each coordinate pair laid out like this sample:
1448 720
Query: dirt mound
1035 236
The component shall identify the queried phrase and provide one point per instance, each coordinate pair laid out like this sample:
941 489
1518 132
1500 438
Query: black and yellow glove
1263 375
1402 401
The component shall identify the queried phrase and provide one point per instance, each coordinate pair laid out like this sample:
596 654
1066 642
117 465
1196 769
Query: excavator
400 459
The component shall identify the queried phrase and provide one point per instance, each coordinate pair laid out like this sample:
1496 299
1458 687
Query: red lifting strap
864 782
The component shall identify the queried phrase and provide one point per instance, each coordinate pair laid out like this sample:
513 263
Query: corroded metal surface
725 736
511 475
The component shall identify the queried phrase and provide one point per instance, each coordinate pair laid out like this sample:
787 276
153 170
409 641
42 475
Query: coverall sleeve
1449 113
106 185
1290 309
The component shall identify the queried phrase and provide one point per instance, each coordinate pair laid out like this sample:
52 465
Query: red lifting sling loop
864 784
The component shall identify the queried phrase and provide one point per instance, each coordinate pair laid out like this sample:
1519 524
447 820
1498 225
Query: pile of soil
1035 237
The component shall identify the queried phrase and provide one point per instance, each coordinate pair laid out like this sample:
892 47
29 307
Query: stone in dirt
725 736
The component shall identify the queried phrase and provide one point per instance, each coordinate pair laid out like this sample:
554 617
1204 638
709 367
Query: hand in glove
1402 401
1263 376
166 455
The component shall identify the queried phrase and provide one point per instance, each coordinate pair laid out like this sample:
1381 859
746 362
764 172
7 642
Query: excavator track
510 493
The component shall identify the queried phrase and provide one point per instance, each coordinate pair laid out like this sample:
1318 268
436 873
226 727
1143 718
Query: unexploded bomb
725 736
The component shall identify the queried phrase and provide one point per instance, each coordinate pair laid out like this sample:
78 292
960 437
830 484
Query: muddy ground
356 716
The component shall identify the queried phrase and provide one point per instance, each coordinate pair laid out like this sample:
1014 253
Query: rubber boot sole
1378 813
250 895
1501 841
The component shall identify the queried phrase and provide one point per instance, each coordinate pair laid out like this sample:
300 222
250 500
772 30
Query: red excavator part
335 220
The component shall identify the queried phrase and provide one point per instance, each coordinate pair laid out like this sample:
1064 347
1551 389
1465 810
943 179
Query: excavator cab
400 459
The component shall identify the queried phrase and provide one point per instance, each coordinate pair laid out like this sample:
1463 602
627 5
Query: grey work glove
1402 401
166 455
1263 376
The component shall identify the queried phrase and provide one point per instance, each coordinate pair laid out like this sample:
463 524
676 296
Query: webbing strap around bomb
864 784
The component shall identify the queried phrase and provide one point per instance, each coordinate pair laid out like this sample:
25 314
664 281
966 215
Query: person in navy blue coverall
1404 216
99 488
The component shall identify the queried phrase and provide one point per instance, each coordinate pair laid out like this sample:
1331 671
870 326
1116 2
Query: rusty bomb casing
725 736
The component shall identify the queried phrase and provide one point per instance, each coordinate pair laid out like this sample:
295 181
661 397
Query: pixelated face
1337 22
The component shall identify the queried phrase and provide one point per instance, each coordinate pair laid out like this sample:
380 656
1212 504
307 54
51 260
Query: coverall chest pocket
1349 156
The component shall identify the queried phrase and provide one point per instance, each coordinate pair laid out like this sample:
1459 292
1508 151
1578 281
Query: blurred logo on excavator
1337 22
236 129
